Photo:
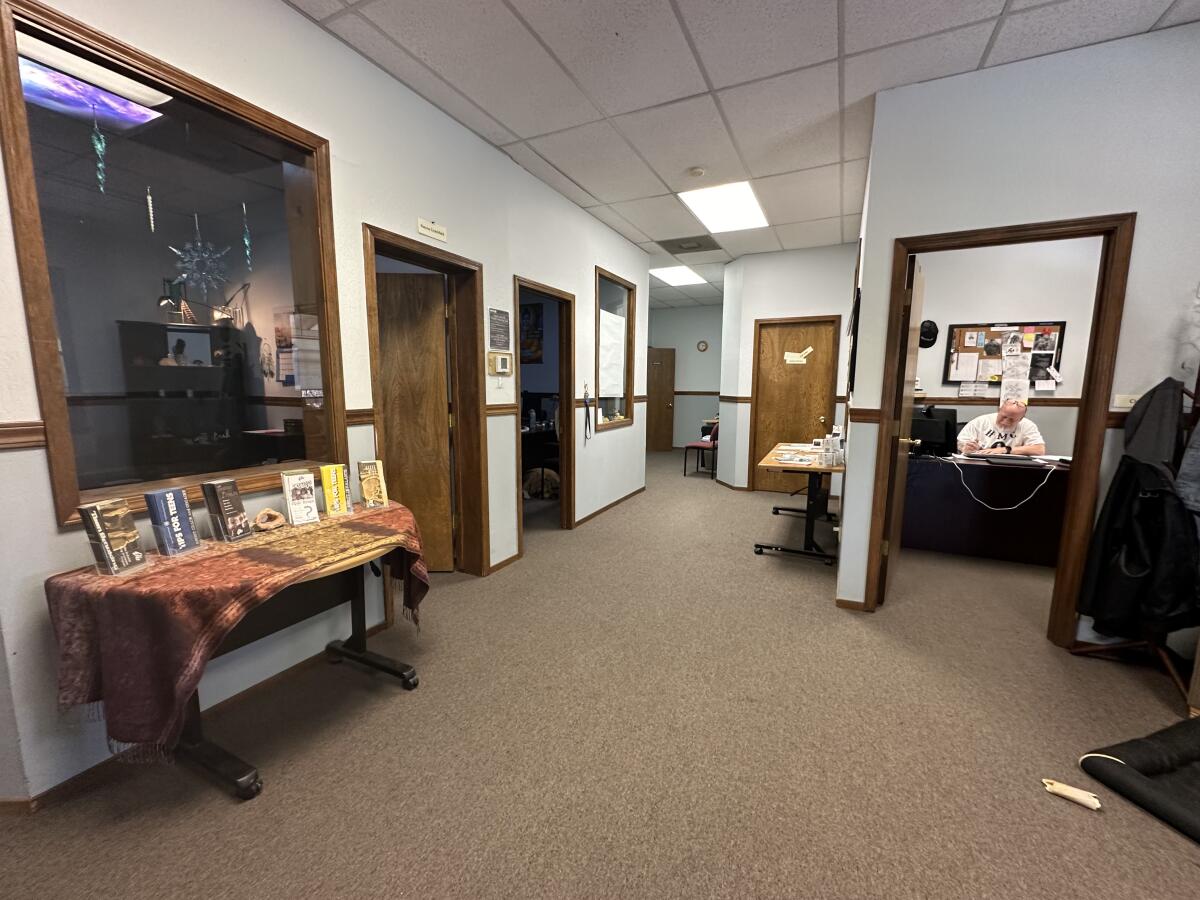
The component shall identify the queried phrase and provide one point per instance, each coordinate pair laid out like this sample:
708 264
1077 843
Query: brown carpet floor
644 708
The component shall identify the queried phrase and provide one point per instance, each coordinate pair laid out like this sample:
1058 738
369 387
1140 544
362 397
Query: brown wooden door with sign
660 398
792 400
416 406
898 477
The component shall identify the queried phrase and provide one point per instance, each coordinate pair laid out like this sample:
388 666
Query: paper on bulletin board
971 339
990 370
964 366
1048 385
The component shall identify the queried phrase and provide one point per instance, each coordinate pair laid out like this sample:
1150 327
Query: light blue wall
682 329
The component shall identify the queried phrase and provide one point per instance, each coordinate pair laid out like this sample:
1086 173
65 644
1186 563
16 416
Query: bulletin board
1042 340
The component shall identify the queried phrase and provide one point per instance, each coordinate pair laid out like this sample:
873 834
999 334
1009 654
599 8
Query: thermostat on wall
499 363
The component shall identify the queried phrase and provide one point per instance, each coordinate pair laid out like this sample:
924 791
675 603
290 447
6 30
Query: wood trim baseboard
864 414
993 401
855 605
604 509
697 393
732 399
20 435
502 409
360 416
505 562
732 487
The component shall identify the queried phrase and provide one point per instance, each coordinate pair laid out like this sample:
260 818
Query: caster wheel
251 790
758 551
411 684
334 660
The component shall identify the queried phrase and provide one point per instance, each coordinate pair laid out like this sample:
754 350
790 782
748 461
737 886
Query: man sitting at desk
1004 431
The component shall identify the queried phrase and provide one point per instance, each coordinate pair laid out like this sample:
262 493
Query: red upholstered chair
700 447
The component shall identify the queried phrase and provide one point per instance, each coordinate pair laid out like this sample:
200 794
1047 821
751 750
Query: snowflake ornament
200 263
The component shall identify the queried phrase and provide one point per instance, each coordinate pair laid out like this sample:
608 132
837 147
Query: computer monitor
937 429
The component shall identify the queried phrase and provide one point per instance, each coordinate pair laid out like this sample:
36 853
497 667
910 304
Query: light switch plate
1125 401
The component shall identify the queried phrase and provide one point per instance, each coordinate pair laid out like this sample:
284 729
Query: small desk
818 500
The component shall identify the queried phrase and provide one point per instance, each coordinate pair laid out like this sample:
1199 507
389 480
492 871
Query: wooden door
413 381
898 476
792 400
660 399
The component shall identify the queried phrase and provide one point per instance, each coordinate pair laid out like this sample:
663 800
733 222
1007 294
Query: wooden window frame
34 274
631 329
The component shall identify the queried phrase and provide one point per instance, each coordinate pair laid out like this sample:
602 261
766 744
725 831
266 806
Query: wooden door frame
1116 230
464 298
566 405
751 464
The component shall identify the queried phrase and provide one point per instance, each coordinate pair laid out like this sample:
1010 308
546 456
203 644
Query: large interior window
183 249
614 350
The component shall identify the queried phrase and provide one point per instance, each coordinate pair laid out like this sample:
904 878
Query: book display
372 483
172 522
225 510
113 536
300 497
335 484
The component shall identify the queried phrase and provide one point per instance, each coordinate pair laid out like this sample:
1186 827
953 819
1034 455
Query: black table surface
939 515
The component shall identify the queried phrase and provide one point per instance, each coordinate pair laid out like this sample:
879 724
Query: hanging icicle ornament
200 264
246 239
150 208
100 145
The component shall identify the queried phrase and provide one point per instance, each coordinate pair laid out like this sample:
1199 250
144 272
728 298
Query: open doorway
1066 382
425 334
545 392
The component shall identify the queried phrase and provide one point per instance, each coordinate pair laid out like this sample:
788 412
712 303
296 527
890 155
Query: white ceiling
611 102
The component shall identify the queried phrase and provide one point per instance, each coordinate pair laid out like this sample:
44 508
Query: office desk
939 515
818 500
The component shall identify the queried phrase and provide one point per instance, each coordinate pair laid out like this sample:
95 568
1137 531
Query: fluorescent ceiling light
70 64
726 207
677 275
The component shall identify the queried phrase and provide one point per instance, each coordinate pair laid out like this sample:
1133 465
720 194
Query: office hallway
721 731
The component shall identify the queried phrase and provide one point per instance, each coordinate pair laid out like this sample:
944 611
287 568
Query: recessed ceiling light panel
677 276
726 207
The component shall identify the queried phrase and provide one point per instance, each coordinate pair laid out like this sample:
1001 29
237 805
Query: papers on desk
796 459
805 447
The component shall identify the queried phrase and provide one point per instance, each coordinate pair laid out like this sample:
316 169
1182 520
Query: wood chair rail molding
32 263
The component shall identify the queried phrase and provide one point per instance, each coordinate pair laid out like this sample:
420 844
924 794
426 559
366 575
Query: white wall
1105 129
394 158
682 329
814 282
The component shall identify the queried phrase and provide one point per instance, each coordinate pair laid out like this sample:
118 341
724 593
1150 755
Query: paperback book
172 522
300 496
335 484
372 483
225 510
113 536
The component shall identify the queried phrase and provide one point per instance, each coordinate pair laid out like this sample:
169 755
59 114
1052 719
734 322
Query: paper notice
990 370
1053 373
972 389
971 339
1027 340
793 359
964 366
1047 385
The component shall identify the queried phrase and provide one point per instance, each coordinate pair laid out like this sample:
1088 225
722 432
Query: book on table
171 520
113 535
225 510
372 483
299 496
335 485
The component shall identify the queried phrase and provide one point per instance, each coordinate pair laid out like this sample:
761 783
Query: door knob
670 406
822 419
912 442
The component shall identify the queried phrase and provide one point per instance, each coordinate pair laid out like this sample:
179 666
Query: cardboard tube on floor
1074 794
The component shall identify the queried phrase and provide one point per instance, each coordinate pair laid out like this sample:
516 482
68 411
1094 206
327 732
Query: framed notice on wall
498 329
976 353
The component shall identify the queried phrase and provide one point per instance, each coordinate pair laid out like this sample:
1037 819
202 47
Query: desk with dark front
940 515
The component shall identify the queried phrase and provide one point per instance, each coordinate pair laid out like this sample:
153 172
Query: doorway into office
425 340
545 383
1050 333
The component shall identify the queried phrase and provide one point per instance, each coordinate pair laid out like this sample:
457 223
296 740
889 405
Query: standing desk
818 499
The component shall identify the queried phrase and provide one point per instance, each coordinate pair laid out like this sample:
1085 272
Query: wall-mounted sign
499 330
431 229
796 359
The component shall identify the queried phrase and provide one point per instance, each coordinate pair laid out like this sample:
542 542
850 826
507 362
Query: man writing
1004 431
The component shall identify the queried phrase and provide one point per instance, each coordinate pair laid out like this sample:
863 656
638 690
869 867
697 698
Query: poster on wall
531 333
498 329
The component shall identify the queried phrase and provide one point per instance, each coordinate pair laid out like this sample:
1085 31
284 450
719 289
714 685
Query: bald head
1010 413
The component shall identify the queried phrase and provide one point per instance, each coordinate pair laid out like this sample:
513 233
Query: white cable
1049 472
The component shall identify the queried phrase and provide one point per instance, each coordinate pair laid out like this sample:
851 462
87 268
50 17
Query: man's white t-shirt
984 431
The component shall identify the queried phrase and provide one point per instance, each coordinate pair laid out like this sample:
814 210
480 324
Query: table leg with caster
818 506
354 648
237 775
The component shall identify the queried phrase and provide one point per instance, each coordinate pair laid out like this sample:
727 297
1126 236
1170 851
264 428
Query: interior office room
661 449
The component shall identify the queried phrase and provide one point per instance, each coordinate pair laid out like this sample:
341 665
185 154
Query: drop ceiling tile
684 303
1183 11
606 215
851 228
741 41
661 291
858 121
854 186
660 217
657 304
317 9
713 273
377 47
801 196
627 54
872 23
785 123
704 256
921 60
752 240
662 260
676 137
712 301
597 159
515 79
701 291
524 156
821 233
1075 23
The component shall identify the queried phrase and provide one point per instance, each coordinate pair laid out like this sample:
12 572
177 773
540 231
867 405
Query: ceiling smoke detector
696 171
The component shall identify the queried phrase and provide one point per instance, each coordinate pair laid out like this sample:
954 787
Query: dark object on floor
542 484
700 447
1160 773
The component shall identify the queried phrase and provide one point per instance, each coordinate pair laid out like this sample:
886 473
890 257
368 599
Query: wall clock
701 346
